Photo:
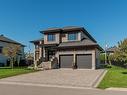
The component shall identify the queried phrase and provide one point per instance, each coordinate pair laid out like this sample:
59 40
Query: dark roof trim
84 30
71 28
100 48
51 30
34 41
47 45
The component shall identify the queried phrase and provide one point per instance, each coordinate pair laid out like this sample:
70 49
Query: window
1 49
51 37
73 36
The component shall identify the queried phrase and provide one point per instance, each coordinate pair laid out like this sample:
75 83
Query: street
13 89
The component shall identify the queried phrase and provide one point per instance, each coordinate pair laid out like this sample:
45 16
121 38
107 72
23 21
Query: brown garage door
84 61
66 61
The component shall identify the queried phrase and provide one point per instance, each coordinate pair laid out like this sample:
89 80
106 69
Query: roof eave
51 31
13 43
85 31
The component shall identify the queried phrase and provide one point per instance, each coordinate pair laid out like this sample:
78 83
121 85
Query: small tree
11 51
110 59
120 55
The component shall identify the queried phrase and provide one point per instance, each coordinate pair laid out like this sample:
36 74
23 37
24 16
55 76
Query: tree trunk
12 62
18 60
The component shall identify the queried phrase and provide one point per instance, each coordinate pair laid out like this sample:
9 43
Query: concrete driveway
61 77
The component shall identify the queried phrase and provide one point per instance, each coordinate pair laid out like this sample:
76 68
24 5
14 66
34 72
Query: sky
105 20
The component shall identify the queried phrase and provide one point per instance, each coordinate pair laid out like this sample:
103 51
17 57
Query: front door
50 54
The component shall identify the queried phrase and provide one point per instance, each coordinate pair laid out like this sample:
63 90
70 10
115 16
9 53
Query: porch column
43 51
74 58
40 50
34 54
35 60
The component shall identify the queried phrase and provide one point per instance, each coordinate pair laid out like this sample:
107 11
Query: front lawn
8 72
115 77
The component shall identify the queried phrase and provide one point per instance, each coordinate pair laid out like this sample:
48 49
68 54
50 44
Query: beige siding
79 52
79 36
64 37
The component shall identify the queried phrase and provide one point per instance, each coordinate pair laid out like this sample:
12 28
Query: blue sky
105 20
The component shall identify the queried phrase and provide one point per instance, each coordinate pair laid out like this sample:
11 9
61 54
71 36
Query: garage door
66 61
84 61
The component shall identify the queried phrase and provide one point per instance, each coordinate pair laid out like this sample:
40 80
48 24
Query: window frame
51 37
73 36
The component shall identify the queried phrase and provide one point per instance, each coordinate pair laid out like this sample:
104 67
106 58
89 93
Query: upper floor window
73 36
51 37
1 50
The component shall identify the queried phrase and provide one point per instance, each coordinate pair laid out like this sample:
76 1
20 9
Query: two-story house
72 46
6 42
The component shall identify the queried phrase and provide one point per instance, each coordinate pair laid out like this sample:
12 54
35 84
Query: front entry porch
49 52
49 61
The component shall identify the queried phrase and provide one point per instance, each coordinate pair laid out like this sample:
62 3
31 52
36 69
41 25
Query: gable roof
8 40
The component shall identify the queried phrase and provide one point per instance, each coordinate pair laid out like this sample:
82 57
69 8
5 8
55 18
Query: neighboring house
5 42
111 50
70 46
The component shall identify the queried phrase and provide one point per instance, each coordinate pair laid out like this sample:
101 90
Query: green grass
8 72
115 77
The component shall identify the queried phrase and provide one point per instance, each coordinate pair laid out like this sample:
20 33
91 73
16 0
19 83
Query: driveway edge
99 79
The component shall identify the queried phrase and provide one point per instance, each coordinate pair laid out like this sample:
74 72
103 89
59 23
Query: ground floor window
1 50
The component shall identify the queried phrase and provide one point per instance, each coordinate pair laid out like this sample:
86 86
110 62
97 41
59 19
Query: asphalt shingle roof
84 42
5 39
60 29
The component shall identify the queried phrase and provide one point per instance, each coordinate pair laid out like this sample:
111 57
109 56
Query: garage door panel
84 61
66 61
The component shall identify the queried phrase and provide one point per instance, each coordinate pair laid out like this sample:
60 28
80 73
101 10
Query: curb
45 85
116 89
99 79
